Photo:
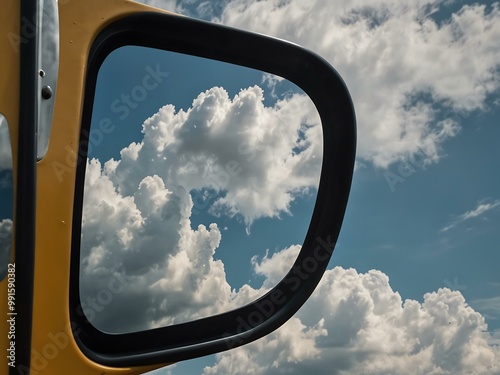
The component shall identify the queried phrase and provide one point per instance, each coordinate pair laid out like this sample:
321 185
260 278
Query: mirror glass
7 196
200 183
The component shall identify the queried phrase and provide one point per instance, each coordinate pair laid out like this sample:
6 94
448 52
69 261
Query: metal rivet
41 73
46 92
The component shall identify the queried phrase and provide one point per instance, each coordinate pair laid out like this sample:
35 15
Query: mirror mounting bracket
48 60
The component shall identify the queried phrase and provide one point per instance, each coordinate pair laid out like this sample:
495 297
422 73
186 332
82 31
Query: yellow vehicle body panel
54 350
9 107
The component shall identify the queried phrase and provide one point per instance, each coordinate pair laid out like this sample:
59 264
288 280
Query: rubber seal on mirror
248 323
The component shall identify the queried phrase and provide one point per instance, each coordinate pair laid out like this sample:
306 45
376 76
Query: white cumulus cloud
136 222
411 77
356 323
259 156
167 270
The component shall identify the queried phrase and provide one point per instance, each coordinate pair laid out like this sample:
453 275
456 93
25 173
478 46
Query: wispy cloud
488 305
495 338
490 309
481 209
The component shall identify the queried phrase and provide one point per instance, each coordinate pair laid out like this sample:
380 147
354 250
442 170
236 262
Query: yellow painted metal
9 107
54 350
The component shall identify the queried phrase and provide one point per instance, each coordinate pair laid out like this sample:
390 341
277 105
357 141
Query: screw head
46 92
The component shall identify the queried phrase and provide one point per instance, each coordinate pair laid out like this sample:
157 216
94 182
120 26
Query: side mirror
252 321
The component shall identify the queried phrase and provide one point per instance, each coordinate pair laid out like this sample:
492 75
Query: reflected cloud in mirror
200 183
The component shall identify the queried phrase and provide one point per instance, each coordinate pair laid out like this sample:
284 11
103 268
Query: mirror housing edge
331 97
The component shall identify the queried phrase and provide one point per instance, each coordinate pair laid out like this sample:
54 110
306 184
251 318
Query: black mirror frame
248 323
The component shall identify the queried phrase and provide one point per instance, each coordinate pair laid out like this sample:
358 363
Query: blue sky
414 276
